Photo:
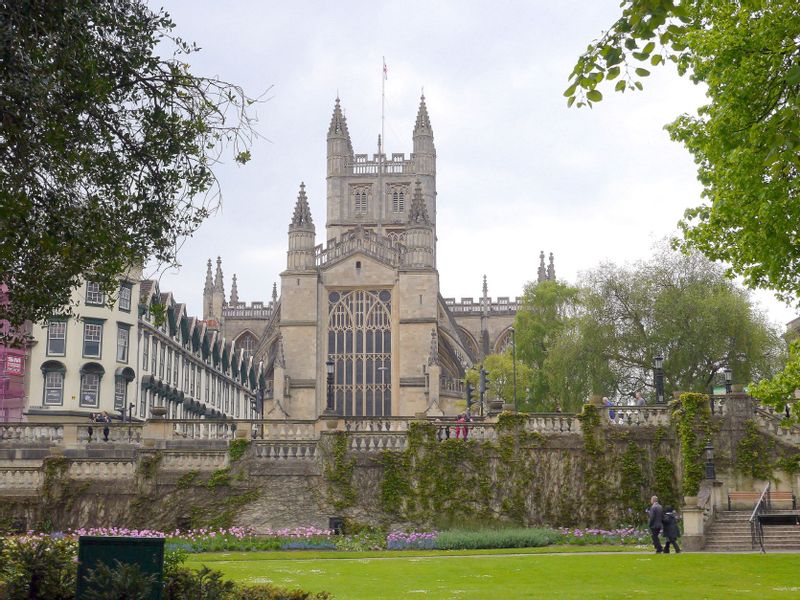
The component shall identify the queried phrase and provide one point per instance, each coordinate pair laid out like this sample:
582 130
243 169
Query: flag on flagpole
385 70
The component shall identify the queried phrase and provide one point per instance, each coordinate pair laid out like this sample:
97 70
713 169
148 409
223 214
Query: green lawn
511 576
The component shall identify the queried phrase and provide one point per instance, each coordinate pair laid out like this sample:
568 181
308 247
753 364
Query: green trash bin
148 553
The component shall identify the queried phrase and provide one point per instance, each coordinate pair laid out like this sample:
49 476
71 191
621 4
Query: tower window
398 201
360 206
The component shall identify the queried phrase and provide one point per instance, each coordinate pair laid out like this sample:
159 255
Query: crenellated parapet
502 305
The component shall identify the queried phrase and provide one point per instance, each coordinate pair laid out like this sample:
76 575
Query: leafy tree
678 305
547 309
780 390
745 140
500 369
107 146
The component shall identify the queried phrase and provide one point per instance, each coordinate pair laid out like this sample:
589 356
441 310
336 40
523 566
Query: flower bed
626 536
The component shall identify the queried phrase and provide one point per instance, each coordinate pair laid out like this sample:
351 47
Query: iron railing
756 527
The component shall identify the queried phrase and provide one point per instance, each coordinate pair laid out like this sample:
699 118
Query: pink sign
14 365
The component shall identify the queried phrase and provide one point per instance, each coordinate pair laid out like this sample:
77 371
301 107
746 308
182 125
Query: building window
247 343
94 295
360 204
186 375
161 359
92 339
120 393
154 368
123 339
90 390
56 338
125 292
360 345
398 201
146 352
175 364
54 388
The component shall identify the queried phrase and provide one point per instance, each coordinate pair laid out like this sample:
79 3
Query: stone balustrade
768 420
188 460
376 424
286 450
32 433
20 478
202 429
120 433
287 430
101 469
377 441
638 416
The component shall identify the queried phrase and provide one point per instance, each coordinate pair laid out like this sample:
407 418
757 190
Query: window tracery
360 346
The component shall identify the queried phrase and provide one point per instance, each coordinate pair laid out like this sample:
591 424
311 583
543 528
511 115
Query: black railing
756 527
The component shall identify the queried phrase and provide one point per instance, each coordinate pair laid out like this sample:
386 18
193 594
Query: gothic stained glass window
360 346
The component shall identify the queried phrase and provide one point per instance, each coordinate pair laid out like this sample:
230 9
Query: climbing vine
237 448
753 453
595 484
692 419
338 472
632 478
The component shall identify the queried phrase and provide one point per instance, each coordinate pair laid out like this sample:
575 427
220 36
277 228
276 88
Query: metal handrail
756 528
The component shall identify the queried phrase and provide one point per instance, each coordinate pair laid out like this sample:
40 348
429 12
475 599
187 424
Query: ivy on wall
338 472
692 419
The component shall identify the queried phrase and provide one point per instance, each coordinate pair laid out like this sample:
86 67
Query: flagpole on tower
383 102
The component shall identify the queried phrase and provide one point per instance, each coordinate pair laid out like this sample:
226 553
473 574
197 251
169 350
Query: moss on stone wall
692 419
338 467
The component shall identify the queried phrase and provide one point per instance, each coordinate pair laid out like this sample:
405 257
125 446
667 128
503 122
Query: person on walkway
671 531
655 512
104 418
638 399
608 404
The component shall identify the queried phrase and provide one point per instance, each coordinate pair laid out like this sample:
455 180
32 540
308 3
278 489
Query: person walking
671 531
105 419
655 523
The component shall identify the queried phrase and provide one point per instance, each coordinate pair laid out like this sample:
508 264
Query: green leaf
594 95
570 91
656 59
570 101
612 73
649 47
638 85
620 86
793 76
642 72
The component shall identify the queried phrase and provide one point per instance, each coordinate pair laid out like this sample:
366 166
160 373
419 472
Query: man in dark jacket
655 523
671 532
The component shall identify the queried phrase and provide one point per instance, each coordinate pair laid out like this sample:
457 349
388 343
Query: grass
533 573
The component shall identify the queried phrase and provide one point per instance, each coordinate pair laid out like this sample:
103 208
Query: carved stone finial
542 274
423 124
433 358
419 211
218 283
485 287
234 291
551 269
209 287
274 292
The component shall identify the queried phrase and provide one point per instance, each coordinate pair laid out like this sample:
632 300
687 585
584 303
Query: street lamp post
728 380
658 372
514 364
329 400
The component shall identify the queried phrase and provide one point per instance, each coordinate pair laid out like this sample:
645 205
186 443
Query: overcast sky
517 172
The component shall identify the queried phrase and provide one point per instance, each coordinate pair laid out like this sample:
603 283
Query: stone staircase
731 533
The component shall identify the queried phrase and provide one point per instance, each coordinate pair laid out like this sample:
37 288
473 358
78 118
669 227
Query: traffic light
483 383
469 395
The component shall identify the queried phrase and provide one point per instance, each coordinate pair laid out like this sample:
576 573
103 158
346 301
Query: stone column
693 530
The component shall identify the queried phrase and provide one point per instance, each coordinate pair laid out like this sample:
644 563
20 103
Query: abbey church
365 304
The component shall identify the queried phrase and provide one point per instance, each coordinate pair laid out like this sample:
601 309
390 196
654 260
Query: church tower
213 294
376 192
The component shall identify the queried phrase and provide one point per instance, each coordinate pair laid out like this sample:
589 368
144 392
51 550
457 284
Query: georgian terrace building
131 356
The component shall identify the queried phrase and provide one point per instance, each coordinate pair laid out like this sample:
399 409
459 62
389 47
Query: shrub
269 592
459 539
411 541
39 566
124 580
181 583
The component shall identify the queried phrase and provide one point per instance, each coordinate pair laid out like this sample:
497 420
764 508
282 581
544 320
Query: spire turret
423 124
485 288
419 235
301 235
301 219
551 269
424 150
542 274
209 287
219 286
234 291
274 292
340 148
